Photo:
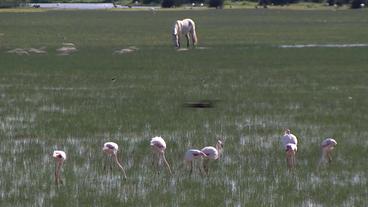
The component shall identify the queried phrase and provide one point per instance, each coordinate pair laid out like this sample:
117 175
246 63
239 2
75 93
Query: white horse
184 27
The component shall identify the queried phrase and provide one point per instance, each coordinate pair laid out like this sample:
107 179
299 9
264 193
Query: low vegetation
99 92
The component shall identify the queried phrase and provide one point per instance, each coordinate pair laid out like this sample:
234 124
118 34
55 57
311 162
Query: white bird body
290 145
60 157
327 146
158 146
328 143
111 149
289 138
193 154
214 152
211 152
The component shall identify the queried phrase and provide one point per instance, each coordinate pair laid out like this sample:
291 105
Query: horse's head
175 34
176 40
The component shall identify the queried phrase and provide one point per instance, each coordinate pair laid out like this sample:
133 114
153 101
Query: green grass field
79 101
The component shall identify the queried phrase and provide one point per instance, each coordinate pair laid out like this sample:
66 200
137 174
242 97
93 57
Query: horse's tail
194 34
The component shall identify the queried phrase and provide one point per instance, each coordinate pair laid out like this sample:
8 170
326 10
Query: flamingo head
219 144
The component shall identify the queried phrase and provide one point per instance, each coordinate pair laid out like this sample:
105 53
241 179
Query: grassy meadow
77 102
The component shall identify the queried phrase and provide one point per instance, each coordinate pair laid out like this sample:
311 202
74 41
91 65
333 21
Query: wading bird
290 143
191 155
212 153
60 157
327 146
111 149
158 146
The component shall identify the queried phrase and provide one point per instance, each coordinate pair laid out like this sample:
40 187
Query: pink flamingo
290 143
212 153
191 155
111 149
60 157
327 146
158 146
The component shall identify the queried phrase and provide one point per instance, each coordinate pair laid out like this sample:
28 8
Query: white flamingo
158 146
290 143
191 155
327 146
212 153
60 157
111 149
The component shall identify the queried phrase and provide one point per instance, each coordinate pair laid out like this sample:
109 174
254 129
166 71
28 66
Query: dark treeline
177 3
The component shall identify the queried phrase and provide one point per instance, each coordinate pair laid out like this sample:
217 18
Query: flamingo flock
206 154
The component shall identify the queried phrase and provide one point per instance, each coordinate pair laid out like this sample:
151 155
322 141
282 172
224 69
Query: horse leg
187 37
192 38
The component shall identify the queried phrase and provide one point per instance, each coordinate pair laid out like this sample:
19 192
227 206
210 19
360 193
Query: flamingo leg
158 163
329 157
120 165
200 170
153 163
56 174
167 164
288 161
191 167
106 162
205 166
60 180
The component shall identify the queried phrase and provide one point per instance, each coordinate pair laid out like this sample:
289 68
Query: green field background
79 101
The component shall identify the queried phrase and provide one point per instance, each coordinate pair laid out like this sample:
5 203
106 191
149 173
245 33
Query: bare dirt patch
67 49
182 49
28 51
126 50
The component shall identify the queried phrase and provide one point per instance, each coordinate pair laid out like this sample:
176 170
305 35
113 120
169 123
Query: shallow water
84 6
324 45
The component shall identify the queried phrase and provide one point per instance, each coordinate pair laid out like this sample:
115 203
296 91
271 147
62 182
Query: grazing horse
184 27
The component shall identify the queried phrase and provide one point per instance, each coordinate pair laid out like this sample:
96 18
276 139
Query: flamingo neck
219 150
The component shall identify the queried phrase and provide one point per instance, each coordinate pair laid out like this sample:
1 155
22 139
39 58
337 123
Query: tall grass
78 102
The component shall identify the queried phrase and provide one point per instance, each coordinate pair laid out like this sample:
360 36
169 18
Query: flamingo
60 157
158 146
191 155
290 143
212 153
327 146
111 149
